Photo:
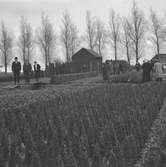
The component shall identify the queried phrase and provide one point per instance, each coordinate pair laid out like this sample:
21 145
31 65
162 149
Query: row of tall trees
5 45
128 33
69 36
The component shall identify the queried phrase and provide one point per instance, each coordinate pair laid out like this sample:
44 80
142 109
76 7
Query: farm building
86 60
161 58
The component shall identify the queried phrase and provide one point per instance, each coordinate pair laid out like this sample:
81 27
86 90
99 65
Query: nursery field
86 123
6 88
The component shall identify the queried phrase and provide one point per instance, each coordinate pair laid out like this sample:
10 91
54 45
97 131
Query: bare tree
125 39
90 35
69 36
157 29
5 44
101 36
74 41
114 31
29 43
137 29
46 38
25 39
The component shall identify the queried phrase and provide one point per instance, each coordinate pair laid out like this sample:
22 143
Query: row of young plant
128 77
9 76
63 78
154 153
92 127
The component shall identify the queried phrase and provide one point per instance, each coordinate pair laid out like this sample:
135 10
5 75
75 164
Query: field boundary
151 154
59 79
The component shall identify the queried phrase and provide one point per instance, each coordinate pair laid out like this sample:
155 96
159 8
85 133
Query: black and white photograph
82 83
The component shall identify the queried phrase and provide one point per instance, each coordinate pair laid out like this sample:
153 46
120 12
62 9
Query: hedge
127 77
86 126
63 78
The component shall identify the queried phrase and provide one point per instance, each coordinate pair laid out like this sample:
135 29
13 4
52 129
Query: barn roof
90 51
157 56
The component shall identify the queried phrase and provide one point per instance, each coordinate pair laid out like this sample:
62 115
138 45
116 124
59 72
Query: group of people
152 69
111 68
27 70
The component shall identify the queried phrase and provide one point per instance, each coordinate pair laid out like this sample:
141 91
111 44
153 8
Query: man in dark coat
144 72
27 69
106 71
36 70
16 68
147 68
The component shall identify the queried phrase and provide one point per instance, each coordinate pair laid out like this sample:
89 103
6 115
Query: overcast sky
11 10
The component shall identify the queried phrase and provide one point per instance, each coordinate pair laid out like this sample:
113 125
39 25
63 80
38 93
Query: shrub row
95 126
129 77
58 79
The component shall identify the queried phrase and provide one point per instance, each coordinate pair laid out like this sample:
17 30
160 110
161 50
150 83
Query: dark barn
160 57
86 60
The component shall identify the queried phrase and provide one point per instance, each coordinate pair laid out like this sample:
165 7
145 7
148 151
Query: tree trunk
115 51
45 58
24 55
128 56
158 48
136 53
5 56
28 55
67 54
48 55
100 49
90 43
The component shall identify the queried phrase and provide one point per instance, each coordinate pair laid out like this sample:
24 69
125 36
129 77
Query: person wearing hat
16 69
146 67
106 71
36 67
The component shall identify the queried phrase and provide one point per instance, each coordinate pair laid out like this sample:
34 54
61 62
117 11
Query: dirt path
7 88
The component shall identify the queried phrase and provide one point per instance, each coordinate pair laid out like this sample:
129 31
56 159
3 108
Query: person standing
120 69
16 69
36 70
149 70
137 66
27 69
106 71
144 69
158 70
147 67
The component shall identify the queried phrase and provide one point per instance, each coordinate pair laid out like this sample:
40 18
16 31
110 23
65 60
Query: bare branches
90 36
137 29
125 39
101 36
5 44
25 39
46 38
114 30
74 39
69 36
157 31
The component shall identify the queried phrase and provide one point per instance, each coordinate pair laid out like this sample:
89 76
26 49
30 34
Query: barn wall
84 58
